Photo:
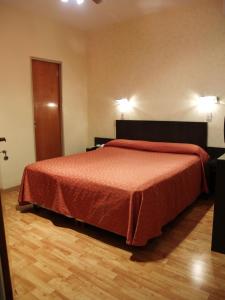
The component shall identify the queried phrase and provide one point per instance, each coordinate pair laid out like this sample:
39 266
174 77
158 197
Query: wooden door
47 108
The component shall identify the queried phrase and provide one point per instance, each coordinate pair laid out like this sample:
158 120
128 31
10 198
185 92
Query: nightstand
211 166
91 148
98 142
102 140
211 174
218 233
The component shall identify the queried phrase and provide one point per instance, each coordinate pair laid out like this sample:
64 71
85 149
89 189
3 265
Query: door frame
60 100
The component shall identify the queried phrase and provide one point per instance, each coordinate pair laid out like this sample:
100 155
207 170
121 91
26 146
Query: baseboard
11 189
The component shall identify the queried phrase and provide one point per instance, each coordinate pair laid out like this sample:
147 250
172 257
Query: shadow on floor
156 249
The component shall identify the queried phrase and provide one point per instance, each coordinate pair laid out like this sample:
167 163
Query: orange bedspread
131 188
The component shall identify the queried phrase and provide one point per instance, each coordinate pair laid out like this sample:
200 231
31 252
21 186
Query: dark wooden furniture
102 140
211 168
160 131
5 281
215 152
163 131
91 148
218 233
97 142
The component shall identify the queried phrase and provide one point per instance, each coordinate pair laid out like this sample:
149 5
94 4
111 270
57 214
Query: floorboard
54 257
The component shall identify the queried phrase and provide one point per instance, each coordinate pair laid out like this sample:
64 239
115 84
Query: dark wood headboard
163 131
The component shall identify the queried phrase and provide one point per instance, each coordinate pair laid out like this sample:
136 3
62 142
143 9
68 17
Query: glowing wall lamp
207 105
124 106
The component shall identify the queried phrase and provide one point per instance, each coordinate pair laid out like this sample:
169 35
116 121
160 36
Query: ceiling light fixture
79 2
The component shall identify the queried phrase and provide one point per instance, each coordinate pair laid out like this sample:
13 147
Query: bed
129 187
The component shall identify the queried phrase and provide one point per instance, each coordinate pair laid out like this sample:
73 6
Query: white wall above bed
163 62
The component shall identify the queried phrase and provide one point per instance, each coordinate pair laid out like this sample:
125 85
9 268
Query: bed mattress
132 188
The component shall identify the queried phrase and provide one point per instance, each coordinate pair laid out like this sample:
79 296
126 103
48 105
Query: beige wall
21 36
162 62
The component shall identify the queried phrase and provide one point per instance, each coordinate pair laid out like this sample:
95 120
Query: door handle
4 152
2 139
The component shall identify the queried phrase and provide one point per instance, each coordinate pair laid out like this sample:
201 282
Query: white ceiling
90 15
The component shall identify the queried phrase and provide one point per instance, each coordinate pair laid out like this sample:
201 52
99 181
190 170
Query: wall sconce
124 105
207 105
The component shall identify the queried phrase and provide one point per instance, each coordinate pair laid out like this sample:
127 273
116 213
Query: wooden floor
53 257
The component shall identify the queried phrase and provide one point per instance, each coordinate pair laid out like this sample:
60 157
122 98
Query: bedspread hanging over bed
131 188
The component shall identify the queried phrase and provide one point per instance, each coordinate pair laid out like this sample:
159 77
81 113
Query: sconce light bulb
206 103
124 105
